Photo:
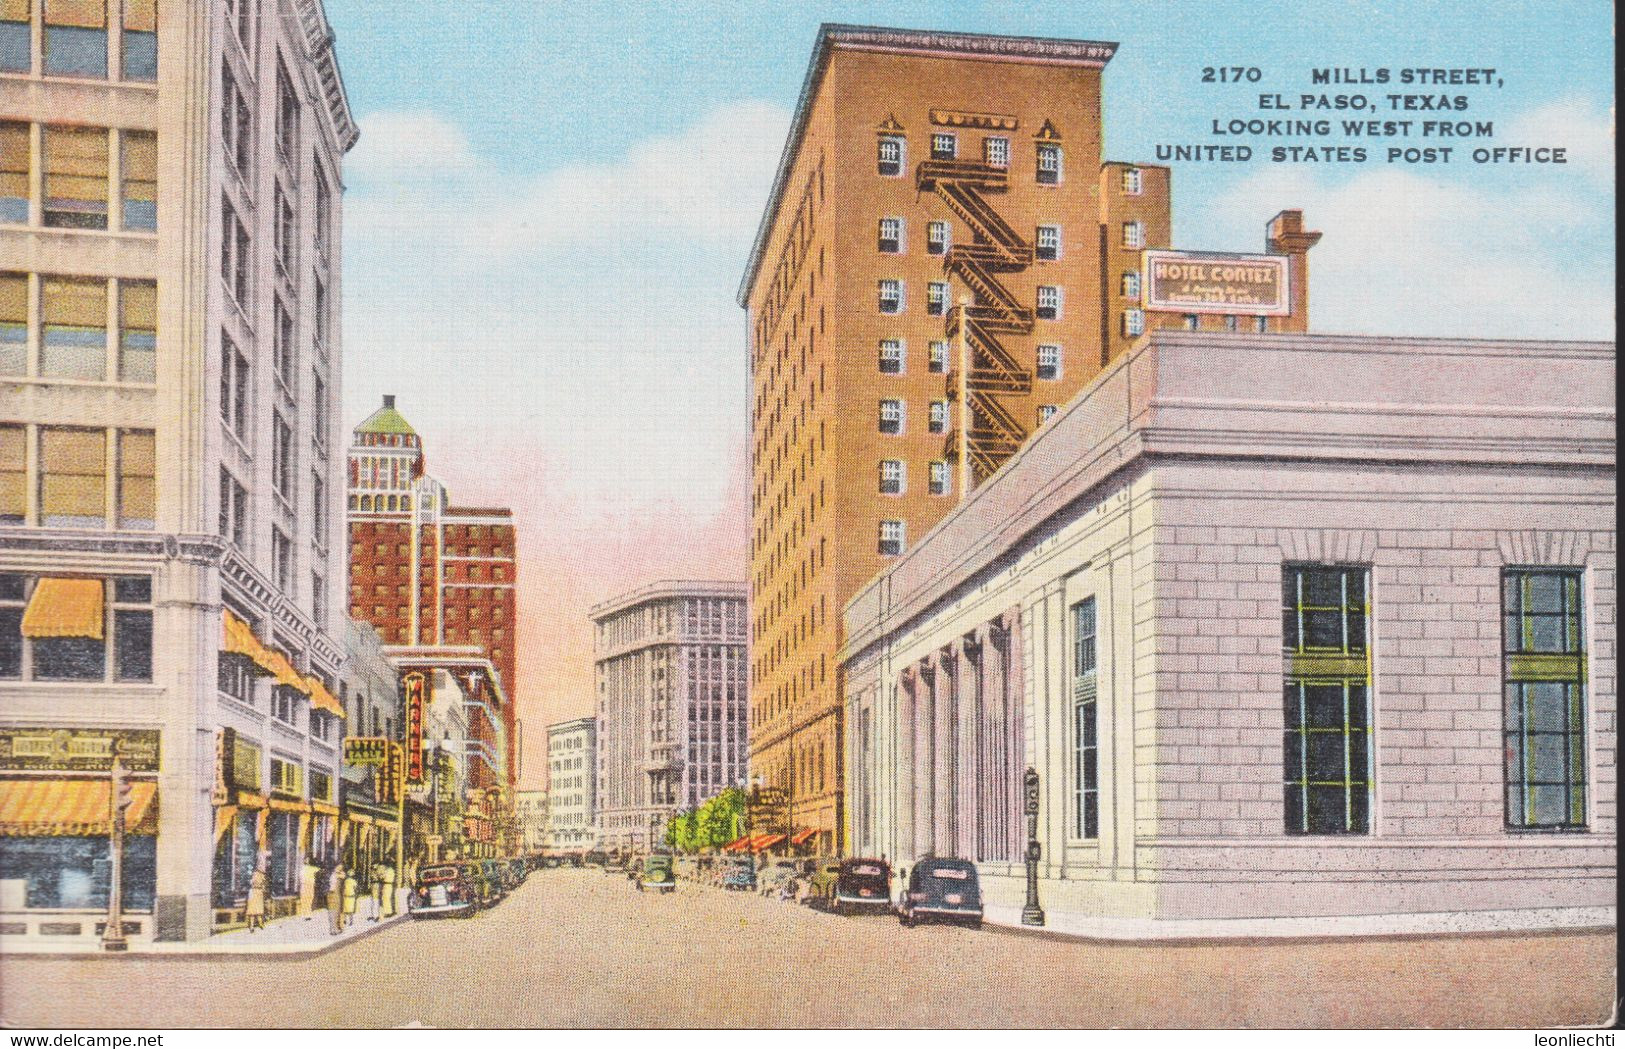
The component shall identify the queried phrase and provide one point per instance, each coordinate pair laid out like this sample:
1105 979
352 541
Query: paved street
578 948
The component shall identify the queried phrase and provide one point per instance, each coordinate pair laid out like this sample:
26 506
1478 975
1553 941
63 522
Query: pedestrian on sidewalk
387 873
377 873
347 917
335 899
257 884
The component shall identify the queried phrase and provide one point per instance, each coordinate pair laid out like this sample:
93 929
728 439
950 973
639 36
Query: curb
1289 939
300 953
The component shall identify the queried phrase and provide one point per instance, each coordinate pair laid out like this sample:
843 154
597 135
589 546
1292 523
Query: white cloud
1584 130
579 321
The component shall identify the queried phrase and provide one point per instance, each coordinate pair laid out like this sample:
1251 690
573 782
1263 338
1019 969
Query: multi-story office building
942 264
170 180
425 572
672 731
1281 662
572 784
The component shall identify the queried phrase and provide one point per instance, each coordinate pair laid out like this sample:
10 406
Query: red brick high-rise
425 572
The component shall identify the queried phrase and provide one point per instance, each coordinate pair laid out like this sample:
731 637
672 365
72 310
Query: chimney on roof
389 400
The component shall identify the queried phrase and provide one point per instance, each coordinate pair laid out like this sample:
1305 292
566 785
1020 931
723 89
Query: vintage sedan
496 875
739 876
445 888
861 885
944 889
657 874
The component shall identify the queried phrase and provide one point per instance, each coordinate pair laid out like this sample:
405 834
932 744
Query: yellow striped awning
65 608
321 698
58 807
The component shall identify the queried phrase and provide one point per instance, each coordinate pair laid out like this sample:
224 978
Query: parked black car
862 885
446 888
944 889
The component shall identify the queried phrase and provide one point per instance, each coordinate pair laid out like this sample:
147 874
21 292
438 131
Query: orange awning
284 672
58 807
801 836
65 608
765 841
738 844
321 698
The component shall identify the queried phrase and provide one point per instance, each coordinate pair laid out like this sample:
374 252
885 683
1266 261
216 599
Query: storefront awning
58 807
65 608
801 837
764 842
738 844
321 698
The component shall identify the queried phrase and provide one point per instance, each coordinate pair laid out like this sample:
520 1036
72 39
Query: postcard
757 516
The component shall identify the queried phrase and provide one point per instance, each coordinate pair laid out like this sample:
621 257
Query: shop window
16 154
140 42
137 485
138 332
1544 665
76 166
72 477
76 38
282 866
139 176
1326 743
71 872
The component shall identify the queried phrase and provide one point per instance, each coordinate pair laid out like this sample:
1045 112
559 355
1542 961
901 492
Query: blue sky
550 205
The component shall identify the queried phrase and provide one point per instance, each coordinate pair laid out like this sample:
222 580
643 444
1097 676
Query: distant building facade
672 728
1280 660
572 784
530 808
425 572
170 364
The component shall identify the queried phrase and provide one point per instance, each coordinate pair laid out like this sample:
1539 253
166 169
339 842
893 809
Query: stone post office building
1300 633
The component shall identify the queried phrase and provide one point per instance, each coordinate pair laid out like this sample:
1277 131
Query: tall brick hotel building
434 576
941 208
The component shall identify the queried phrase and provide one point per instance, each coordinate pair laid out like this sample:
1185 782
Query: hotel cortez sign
1217 282
416 686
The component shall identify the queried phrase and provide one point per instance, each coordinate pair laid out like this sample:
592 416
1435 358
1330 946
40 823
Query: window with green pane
73 338
1326 699
1543 644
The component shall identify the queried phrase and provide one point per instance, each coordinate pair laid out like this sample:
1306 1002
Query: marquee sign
416 685
77 749
387 785
1217 282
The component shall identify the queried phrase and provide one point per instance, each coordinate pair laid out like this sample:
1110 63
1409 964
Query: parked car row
460 888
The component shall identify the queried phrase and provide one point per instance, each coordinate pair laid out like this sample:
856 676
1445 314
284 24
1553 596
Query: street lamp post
1032 913
118 799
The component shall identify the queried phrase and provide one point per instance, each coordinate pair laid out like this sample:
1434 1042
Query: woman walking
348 917
257 884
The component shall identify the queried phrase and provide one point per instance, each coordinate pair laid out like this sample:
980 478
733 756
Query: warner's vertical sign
417 687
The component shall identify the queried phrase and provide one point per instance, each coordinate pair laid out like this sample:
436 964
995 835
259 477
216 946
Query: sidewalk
1091 927
298 937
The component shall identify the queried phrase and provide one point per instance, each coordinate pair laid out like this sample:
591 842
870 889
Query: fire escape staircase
995 248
